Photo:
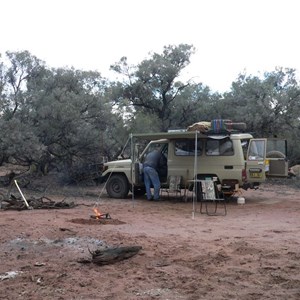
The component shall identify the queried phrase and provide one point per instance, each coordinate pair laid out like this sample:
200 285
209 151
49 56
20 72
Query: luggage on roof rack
218 126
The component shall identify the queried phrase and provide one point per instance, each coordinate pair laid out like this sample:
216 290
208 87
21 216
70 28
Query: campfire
98 218
98 215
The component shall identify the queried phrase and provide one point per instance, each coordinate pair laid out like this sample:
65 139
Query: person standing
153 162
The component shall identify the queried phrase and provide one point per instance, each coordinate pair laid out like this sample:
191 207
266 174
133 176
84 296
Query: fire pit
98 218
97 221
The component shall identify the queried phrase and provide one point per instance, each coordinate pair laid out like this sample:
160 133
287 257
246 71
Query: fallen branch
112 255
14 203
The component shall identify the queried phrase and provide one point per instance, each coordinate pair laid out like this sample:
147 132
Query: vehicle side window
219 147
186 147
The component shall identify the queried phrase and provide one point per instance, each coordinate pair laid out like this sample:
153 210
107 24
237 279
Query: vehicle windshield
257 150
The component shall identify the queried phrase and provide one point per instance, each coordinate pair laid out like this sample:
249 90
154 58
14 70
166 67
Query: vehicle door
256 164
277 157
162 147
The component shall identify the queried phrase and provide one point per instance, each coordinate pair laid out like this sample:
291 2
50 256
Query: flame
97 212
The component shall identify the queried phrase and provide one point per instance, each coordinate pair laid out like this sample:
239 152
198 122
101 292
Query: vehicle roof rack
218 126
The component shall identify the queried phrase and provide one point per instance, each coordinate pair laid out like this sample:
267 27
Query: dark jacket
154 160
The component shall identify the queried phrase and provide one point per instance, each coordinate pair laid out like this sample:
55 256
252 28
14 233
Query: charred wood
115 254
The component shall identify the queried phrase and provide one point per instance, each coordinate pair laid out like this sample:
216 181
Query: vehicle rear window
219 147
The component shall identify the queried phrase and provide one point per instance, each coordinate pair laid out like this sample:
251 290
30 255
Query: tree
270 105
195 103
18 142
22 68
151 87
70 113
266 104
51 114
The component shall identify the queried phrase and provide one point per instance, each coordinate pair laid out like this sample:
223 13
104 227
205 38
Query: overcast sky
230 36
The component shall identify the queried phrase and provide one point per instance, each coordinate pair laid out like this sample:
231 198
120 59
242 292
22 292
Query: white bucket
241 200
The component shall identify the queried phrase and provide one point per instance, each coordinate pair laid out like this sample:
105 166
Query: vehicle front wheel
117 186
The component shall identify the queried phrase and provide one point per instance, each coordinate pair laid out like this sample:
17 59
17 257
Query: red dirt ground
252 253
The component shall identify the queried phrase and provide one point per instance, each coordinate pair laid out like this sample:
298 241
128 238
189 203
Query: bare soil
251 253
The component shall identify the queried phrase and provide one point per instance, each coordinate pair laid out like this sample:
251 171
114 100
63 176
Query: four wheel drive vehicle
231 160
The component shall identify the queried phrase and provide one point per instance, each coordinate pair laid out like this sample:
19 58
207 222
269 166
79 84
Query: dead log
114 254
14 203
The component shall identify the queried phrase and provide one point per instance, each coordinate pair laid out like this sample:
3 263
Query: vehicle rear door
256 165
277 157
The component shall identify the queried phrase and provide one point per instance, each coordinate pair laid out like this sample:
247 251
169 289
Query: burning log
114 254
98 215
102 216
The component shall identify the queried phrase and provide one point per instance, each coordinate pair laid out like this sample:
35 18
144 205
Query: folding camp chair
209 197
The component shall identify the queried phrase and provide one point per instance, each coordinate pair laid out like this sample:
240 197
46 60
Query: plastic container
241 200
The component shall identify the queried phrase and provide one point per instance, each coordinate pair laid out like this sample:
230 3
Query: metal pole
132 167
195 173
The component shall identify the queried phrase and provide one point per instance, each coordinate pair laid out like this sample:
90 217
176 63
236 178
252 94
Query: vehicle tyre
117 186
275 154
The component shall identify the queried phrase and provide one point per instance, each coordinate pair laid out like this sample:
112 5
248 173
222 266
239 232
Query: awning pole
132 165
195 173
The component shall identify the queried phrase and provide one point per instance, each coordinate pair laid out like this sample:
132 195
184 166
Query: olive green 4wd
231 160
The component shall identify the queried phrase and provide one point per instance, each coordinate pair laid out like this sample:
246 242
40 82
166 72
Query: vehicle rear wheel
117 186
